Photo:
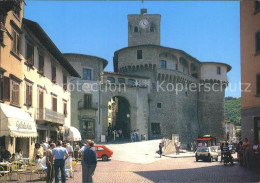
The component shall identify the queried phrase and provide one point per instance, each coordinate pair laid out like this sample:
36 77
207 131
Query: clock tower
144 29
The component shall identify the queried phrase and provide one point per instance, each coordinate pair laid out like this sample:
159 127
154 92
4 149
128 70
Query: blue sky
207 30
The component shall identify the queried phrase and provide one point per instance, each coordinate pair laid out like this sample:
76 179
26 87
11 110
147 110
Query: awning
72 133
16 122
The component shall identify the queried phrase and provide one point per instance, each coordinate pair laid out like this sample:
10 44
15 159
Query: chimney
143 11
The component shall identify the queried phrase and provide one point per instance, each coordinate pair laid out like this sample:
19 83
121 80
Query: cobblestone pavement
164 171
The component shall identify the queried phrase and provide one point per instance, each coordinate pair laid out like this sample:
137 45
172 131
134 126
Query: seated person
19 155
41 163
5 154
227 153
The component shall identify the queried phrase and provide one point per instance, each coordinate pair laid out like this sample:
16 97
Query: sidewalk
181 155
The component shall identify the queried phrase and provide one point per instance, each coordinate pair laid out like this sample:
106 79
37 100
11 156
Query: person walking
76 150
59 154
68 161
222 153
49 163
83 164
245 148
160 150
90 159
38 150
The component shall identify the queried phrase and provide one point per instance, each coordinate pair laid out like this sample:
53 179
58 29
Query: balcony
50 116
92 106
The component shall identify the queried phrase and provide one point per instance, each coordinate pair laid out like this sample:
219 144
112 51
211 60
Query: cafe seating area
26 170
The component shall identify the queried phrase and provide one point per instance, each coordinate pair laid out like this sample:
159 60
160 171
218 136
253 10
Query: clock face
144 24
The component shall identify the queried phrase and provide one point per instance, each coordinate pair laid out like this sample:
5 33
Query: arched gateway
123 104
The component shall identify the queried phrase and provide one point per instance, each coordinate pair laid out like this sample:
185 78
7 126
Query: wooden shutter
15 93
54 104
14 41
53 73
6 88
65 109
30 54
41 64
29 95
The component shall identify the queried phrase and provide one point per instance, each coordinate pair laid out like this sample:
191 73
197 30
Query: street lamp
127 123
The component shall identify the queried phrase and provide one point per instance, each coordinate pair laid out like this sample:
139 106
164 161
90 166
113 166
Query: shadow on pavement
216 173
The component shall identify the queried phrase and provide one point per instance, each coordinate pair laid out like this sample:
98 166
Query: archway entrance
119 117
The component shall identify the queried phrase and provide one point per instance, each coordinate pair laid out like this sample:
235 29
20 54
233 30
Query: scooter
228 160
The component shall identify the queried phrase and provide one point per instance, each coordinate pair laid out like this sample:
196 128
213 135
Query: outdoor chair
18 168
4 172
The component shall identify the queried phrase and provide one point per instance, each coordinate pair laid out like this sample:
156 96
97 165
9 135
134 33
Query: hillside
233 109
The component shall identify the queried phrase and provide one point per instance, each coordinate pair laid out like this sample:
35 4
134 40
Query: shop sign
23 125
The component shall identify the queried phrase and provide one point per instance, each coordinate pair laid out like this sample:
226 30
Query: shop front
17 130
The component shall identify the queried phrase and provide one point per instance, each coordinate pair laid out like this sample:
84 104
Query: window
257 40
54 103
28 94
87 101
40 103
111 79
29 54
87 74
16 42
88 130
159 105
131 82
6 89
65 112
65 82
17 12
155 127
152 29
136 29
121 80
257 129
139 54
41 64
100 149
257 5
163 64
258 84
15 91
218 70
53 73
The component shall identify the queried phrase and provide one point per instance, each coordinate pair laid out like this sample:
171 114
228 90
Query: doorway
119 115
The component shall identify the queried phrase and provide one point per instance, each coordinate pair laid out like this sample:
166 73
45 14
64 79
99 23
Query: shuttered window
28 94
54 103
16 42
65 112
15 93
65 82
41 64
6 89
30 54
53 73
257 41
87 101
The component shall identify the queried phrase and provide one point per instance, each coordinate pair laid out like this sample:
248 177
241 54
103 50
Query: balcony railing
93 106
50 116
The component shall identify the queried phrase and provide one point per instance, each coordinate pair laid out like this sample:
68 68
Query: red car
103 152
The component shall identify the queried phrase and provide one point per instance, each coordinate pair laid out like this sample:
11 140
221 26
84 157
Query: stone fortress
166 91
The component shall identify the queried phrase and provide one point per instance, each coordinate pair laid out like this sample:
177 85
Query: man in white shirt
68 162
45 145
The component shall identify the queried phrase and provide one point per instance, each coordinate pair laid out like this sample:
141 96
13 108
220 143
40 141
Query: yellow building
17 128
34 83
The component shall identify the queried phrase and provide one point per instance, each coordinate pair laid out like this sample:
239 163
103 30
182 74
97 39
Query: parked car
217 149
206 154
103 152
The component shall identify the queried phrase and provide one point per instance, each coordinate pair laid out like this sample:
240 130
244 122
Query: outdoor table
26 160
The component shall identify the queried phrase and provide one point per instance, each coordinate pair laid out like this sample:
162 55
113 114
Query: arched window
111 79
121 80
152 28
136 29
